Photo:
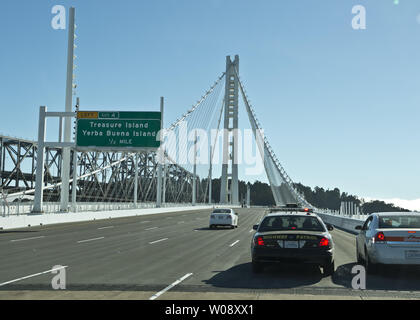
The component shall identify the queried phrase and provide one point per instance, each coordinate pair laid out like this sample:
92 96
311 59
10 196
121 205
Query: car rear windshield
221 211
291 223
399 222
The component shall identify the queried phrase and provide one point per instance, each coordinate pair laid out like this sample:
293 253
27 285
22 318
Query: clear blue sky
340 107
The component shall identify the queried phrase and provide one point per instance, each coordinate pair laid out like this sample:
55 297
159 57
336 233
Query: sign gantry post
97 131
42 144
39 178
65 172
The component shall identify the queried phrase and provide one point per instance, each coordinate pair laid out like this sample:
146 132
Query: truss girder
111 183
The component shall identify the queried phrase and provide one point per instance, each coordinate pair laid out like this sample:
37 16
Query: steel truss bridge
110 176
104 176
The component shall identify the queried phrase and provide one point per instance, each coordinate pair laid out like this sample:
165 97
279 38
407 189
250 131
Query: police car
292 235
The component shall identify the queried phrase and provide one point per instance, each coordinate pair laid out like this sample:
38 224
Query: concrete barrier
23 221
344 223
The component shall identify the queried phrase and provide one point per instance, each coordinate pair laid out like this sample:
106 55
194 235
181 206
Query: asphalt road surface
175 256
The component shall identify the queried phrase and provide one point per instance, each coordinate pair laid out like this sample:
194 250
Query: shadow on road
388 278
215 229
17 231
273 277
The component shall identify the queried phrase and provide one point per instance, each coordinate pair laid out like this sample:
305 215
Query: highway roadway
175 256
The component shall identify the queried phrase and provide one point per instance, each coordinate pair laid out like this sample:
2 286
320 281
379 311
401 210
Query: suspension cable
267 145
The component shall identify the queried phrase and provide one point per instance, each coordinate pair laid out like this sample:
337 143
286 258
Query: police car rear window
221 211
291 223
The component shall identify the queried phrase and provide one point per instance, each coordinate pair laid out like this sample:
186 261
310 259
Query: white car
223 217
389 238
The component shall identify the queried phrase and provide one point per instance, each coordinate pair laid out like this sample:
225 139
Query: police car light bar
285 209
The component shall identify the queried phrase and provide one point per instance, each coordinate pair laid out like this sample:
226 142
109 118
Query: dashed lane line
103 228
26 239
237 241
89 240
151 229
158 241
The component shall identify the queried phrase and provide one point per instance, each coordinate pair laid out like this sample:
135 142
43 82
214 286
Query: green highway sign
118 130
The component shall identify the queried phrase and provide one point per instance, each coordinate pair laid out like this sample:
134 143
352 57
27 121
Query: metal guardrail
25 208
343 222
336 213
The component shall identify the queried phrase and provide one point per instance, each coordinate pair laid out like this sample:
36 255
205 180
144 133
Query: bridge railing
342 221
25 208
337 213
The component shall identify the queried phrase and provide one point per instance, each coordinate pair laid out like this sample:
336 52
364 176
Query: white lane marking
83 241
181 222
234 243
150 229
171 286
145 222
26 239
31 276
158 241
106 228
251 230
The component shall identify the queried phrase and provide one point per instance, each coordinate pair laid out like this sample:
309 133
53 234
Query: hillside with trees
331 199
261 195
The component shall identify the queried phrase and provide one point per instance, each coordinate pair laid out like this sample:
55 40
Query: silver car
389 238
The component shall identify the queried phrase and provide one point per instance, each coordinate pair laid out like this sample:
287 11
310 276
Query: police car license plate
412 254
291 244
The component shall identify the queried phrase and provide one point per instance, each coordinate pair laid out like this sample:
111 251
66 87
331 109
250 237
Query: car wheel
232 227
211 226
371 267
257 267
359 257
329 269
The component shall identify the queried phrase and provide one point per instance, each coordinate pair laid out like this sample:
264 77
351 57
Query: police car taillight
324 242
259 241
